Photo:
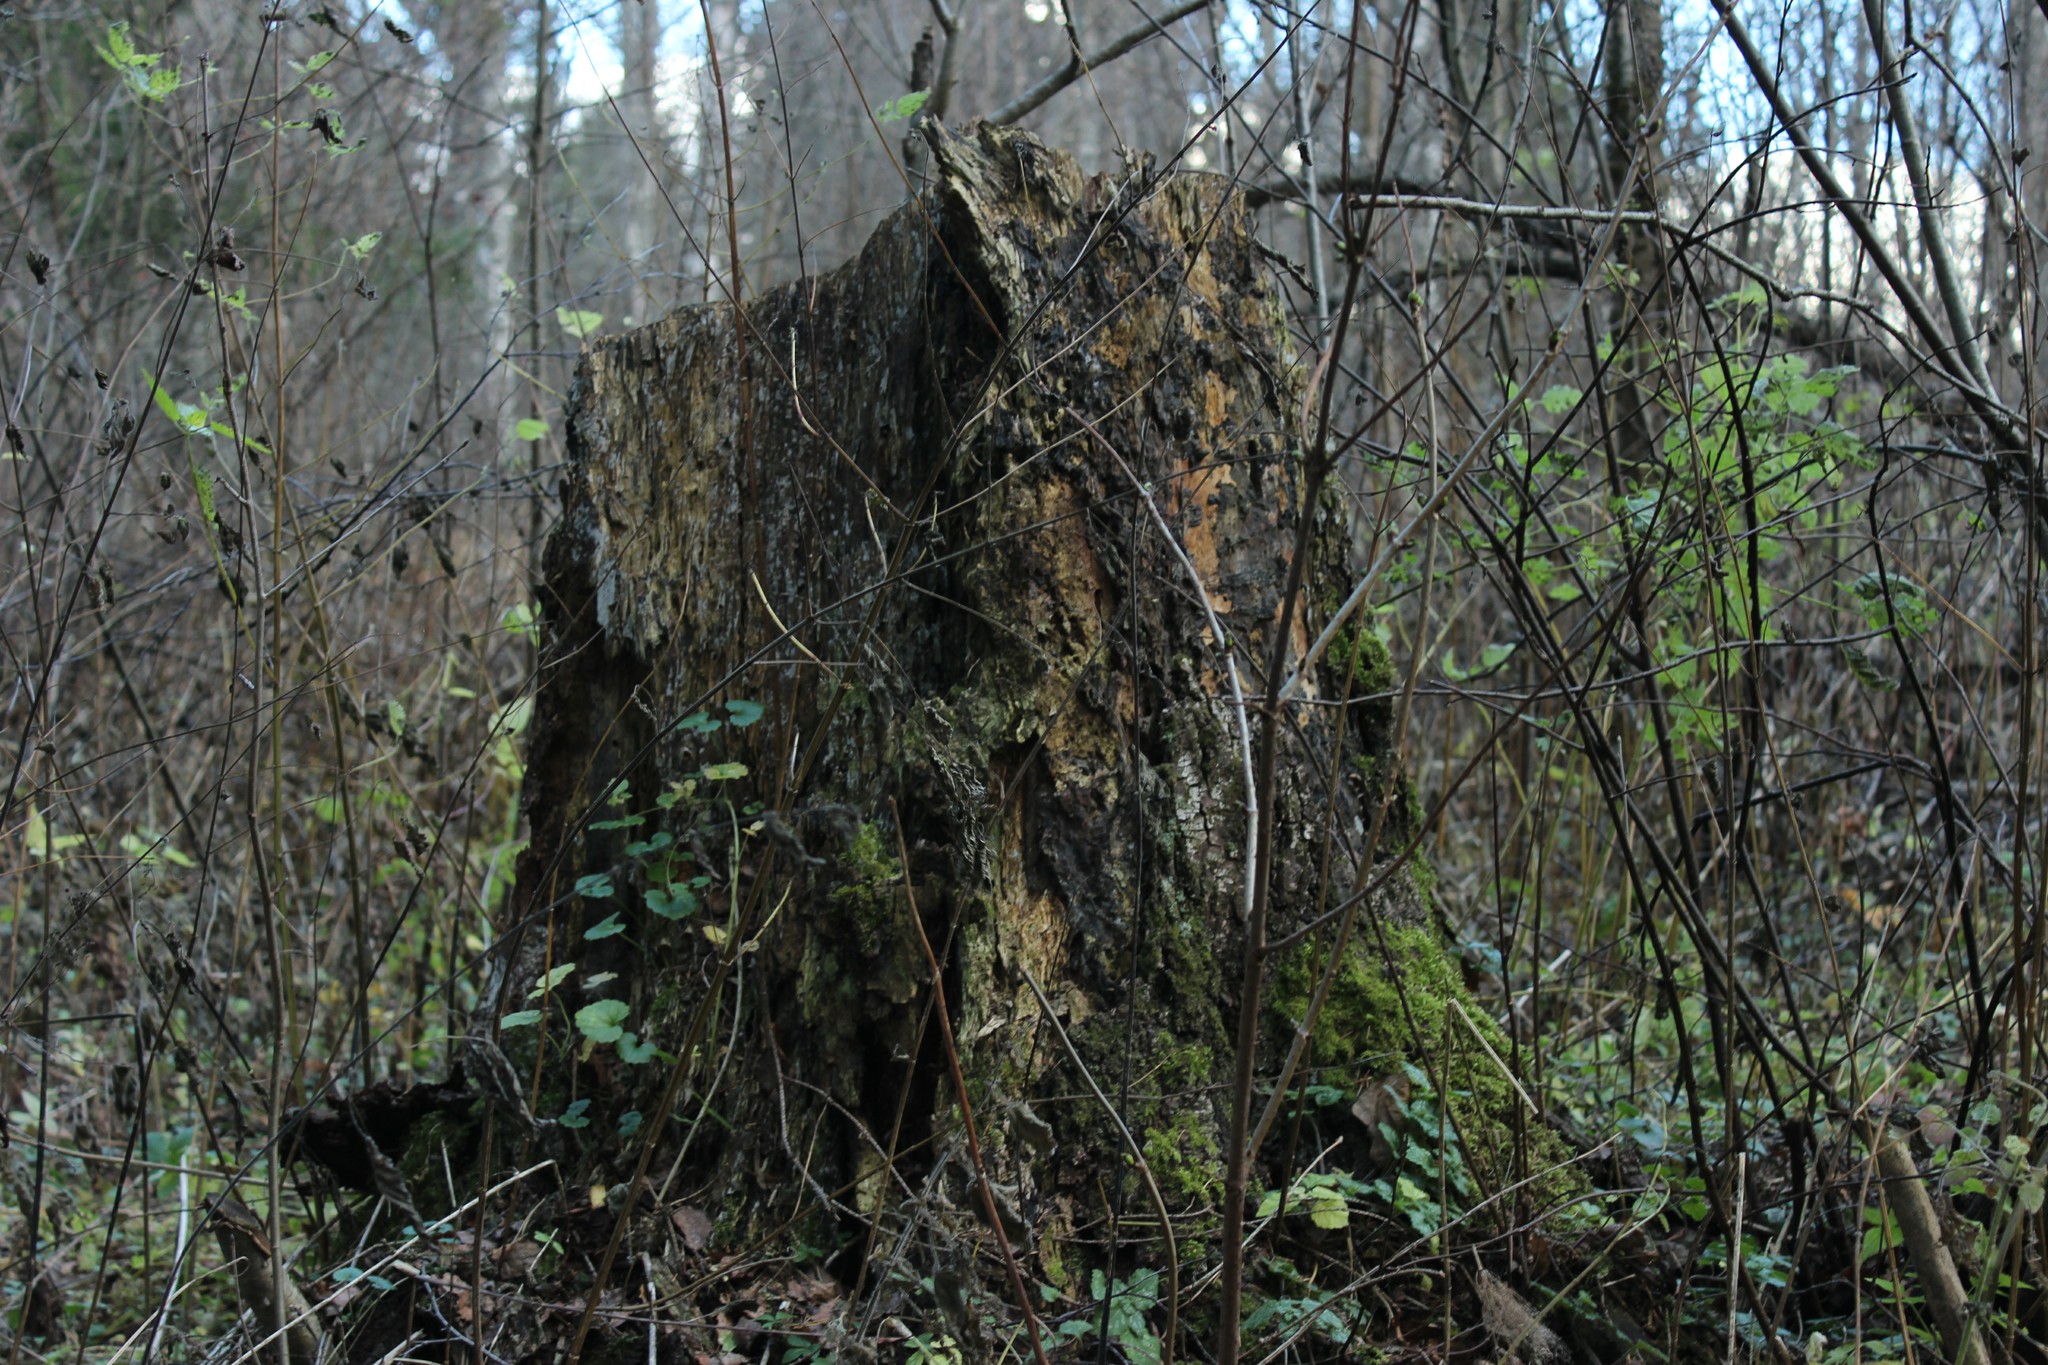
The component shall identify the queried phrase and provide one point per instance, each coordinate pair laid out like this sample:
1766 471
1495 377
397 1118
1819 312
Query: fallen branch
1905 1191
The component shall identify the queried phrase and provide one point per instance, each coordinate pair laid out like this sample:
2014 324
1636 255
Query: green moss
1177 1123
870 896
1370 661
1421 870
1186 1162
1056 1267
1366 1020
1396 999
857 963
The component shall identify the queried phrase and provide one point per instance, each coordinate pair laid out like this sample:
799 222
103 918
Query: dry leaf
1515 1327
695 1226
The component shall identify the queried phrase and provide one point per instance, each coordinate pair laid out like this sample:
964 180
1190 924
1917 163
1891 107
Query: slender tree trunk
644 140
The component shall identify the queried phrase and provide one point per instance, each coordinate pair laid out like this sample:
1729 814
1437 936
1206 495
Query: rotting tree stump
907 509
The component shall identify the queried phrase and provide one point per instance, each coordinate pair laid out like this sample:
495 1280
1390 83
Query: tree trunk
906 510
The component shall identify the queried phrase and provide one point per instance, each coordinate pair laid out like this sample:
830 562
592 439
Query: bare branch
1102 56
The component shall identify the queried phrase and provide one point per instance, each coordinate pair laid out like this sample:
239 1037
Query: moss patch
1186 1161
870 896
1396 999
1174 1116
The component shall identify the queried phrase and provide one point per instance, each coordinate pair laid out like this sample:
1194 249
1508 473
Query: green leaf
1865 671
743 713
902 107
576 1115
318 60
202 490
596 886
599 1020
519 1019
184 416
1560 399
1491 657
1750 295
521 618
531 428
394 716
365 244
633 1052
219 429
724 772
1915 617
1327 1209
120 53
577 323
608 927
150 851
549 979
677 902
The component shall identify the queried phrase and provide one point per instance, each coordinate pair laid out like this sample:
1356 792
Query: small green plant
1336 1320
1430 1183
1324 1198
931 1349
141 72
1129 1303
799 1346
671 892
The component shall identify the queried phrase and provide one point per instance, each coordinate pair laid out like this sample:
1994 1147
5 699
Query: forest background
1683 376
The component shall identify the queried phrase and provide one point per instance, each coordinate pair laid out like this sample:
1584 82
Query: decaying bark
902 508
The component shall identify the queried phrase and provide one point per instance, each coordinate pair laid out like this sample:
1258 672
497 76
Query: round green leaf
600 1020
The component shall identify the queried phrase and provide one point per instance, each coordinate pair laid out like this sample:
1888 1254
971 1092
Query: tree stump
907 511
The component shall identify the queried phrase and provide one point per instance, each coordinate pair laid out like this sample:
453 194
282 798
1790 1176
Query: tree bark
918 531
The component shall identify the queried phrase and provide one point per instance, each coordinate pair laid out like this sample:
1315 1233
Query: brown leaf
803 1290
1515 1326
516 1259
1378 1106
695 1226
